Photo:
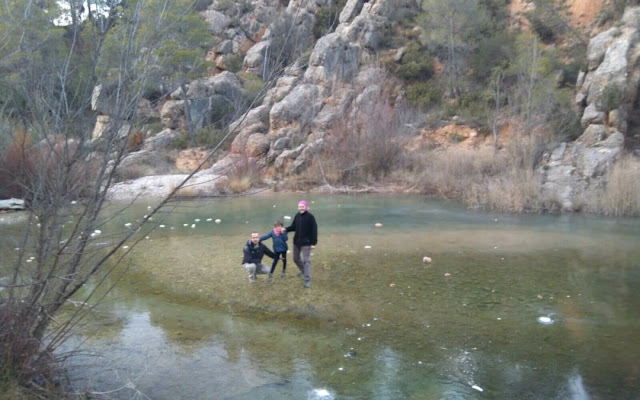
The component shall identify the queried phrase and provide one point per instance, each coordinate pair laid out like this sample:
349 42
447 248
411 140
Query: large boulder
576 171
332 57
217 21
608 88
299 106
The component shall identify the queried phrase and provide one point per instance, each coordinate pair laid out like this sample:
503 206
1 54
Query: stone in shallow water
545 320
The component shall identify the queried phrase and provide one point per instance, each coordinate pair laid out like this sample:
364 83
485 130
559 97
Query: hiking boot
306 284
270 279
252 279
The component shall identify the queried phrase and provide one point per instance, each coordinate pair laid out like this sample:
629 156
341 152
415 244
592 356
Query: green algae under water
512 307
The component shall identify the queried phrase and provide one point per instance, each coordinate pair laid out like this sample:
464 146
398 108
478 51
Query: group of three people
305 238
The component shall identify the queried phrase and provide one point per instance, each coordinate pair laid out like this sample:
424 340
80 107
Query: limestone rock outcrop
608 97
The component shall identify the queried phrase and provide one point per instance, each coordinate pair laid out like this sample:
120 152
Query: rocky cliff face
291 124
607 94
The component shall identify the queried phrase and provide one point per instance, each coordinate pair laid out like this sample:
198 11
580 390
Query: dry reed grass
622 194
504 181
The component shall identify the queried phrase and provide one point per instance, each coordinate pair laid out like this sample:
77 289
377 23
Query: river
511 306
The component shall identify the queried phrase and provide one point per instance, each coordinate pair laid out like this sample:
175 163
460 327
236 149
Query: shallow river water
511 307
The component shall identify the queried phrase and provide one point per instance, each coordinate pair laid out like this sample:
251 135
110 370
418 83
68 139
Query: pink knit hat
304 203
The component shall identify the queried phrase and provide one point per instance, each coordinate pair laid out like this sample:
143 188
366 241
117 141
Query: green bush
612 97
253 86
424 94
211 136
233 62
326 19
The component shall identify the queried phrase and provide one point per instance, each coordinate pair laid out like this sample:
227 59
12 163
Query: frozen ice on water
545 320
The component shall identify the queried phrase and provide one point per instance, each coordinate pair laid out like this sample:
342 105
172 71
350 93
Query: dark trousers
278 254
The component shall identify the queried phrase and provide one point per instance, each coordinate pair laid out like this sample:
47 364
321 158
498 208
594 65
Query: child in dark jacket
279 236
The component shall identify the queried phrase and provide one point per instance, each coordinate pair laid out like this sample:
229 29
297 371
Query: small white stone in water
274 206
128 224
218 221
321 393
545 320
146 237
287 217
367 247
125 247
73 202
29 260
17 249
359 338
197 220
420 362
368 324
426 260
193 226
161 226
185 224
478 388
209 219
148 207
341 369
499 319
378 224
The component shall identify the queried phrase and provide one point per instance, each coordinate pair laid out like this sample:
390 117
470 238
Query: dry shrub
244 174
134 141
316 175
13 166
503 181
622 194
52 165
368 147
511 191
450 172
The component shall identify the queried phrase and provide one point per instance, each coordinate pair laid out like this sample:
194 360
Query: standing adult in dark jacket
253 252
305 238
